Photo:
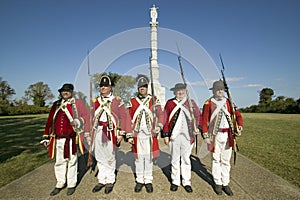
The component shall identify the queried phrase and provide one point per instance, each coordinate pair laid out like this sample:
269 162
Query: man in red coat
145 143
217 127
179 134
110 123
65 129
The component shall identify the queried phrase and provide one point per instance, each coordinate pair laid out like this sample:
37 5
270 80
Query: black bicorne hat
105 81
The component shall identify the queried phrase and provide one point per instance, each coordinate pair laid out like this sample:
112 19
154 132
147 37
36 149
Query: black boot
108 188
173 187
98 187
149 187
70 191
218 189
55 191
227 190
138 187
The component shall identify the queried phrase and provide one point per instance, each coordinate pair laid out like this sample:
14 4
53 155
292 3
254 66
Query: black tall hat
142 80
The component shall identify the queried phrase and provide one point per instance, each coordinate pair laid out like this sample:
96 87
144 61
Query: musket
189 100
90 157
154 122
233 115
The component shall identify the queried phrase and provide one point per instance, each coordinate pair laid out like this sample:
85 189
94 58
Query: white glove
45 142
157 129
77 123
239 131
196 132
166 140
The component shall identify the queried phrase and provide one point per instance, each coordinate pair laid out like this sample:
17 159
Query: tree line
268 103
39 93
35 98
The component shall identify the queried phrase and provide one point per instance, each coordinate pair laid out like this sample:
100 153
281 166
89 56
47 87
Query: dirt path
248 181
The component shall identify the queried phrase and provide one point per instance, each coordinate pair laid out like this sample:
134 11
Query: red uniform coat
170 123
134 105
121 117
208 127
58 125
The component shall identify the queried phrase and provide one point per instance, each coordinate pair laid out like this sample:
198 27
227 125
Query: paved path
248 181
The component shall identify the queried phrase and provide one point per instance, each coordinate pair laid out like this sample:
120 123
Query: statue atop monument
153 13
158 89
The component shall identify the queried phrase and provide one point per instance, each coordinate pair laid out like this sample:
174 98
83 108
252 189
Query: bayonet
232 108
189 100
90 157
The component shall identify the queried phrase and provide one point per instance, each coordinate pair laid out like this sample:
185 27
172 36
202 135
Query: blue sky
48 40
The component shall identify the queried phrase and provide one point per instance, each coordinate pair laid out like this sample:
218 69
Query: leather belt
223 130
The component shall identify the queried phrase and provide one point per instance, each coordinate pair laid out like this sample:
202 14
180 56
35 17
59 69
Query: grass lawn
20 151
273 141
270 140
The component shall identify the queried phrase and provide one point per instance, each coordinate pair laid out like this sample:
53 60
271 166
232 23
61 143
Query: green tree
39 93
280 104
265 96
290 105
20 102
6 92
298 105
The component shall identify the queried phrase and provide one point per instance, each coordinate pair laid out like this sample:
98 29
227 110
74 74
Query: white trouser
106 160
181 149
221 159
65 167
144 164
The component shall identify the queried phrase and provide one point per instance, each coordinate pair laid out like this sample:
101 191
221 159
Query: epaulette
94 100
207 101
118 97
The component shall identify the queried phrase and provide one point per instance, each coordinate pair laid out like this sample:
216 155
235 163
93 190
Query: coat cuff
164 134
121 133
129 135
45 137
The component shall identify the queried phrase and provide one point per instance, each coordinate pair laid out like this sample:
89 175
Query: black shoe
55 191
70 191
98 187
149 187
227 190
218 189
138 187
108 188
188 188
173 187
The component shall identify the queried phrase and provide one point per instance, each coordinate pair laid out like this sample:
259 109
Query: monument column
158 90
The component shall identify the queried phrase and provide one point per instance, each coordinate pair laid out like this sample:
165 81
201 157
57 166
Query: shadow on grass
21 133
